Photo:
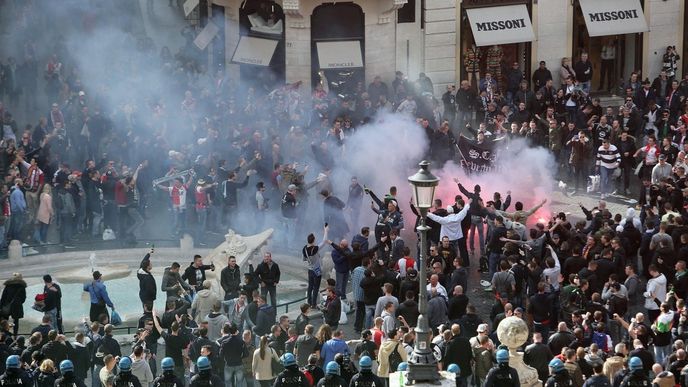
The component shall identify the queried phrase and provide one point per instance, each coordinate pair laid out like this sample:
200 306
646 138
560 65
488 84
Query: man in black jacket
265 316
147 287
230 279
538 355
459 352
333 308
231 350
195 273
268 275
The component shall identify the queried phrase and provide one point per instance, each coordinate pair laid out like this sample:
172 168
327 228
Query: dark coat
14 294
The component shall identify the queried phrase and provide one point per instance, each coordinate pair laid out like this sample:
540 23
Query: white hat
450 209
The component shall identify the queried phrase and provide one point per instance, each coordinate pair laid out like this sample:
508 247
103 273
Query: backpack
395 359
600 338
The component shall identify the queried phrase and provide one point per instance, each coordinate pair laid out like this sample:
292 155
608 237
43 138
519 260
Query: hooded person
631 216
172 282
203 302
12 300
216 320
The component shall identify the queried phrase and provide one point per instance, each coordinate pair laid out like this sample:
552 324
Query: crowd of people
603 297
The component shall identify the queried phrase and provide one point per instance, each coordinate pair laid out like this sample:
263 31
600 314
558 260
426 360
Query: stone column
513 332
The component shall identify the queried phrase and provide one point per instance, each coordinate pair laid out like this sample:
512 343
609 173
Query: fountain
513 332
84 274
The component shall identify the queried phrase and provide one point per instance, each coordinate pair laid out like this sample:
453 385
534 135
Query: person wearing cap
482 331
99 297
124 376
205 376
14 374
502 374
291 376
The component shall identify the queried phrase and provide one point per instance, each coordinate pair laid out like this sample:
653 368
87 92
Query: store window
261 51
614 44
495 34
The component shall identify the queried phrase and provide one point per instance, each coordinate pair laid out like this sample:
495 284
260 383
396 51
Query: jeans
585 86
179 215
340 286
493 260
53 318
41 233
661 353
606 180
313 288
95 223
272 289
202 214
477 224
136 217
234 376
463 117
607 73
360 316
369 316
95 375
290 225
66 225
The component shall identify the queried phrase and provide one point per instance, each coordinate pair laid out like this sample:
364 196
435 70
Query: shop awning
501 25
339 55
254 51
613 17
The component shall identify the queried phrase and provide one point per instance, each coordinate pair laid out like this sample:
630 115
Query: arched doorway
338 47
262 21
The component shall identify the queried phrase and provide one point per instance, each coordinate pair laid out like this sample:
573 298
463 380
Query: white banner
190 5
613 17
500 25
255 51
339 55
206 36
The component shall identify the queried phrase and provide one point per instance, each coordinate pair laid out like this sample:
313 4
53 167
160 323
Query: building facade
348 43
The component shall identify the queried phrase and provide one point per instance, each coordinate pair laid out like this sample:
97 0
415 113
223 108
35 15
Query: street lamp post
422 364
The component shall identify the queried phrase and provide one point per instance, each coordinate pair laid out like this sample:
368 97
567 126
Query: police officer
638 376
291 376
205 376
346 367
168 378
502 375
125 378
366 377
559 376
68 379
332 376
14 376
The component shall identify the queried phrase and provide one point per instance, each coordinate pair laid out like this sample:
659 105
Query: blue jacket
332 347
96 290
17 201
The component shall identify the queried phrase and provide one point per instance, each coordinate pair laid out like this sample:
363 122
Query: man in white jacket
451 224
655 292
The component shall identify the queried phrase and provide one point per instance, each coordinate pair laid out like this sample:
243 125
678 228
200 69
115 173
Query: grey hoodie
141 369
215 323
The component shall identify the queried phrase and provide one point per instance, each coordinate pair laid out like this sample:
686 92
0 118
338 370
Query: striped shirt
608 158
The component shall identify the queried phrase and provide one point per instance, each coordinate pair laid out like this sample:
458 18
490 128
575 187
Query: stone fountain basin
84 274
